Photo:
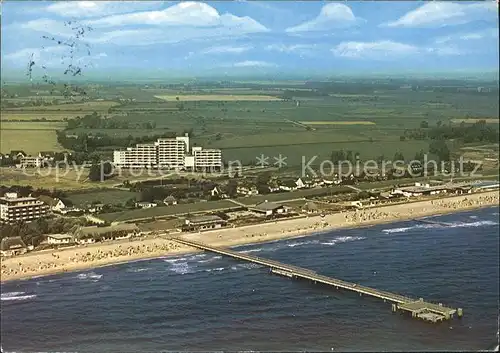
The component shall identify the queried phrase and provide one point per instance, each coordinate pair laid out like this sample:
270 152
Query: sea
206 302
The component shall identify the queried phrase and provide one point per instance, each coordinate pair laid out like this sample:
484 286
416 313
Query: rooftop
95 230
51 201
202 219
59 236
12 243
267 206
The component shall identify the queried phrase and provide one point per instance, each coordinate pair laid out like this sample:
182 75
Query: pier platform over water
417 307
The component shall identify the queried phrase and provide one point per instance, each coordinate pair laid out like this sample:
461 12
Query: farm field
219 97
472 121
32 125
246 120
22 115
109 196
337 122
68 179
30 141
85 106
165 211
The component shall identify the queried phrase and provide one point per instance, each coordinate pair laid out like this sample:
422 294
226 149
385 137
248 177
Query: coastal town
252 209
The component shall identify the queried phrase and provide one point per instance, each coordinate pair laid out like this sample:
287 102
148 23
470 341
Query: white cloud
140 37
81 9
189 14
51 57
331 16
490 33
226 49
445 13
300 49
293 48
44 25
252 63
184 21
387 50
374 50
35 54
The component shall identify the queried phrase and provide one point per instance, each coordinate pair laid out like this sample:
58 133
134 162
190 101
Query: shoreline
84 258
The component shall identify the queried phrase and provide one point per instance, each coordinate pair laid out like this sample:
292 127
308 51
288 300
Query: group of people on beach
89 256
467 202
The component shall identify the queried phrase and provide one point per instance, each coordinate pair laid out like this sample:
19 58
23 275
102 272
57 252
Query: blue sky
254 36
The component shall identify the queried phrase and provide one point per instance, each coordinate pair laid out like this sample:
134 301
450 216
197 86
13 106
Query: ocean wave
89 275
277 245
175 260
300 243
215 269
141 269
181 268
245 266
16 296
210 259
342 240
472 224
251 250
440 225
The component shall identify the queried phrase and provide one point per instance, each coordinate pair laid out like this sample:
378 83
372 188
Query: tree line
96 121
479 131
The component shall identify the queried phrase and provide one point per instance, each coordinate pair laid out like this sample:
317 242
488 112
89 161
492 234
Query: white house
170 200
288 185
59 239
216 191
300 183
55 204
247 191
145 204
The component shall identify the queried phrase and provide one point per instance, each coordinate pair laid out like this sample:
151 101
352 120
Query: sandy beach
85 257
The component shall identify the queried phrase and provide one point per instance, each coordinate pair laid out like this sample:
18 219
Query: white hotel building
168 153
15 209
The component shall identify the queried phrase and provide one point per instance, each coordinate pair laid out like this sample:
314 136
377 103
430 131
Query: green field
250 119
164 211
110 196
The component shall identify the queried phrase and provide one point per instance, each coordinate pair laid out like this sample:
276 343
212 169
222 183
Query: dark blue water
205 302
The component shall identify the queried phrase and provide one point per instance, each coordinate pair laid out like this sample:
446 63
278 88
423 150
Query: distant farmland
219 97
472 121
337 122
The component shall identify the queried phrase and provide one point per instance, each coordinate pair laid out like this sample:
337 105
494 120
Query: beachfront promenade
417 307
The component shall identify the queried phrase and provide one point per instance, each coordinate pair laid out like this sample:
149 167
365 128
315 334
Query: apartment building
15 209
207 158
171 152
140 156
168 153
31 162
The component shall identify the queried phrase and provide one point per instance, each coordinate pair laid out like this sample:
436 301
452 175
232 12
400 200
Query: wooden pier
417 307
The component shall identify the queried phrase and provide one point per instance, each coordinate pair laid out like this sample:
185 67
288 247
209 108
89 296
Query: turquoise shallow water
206 302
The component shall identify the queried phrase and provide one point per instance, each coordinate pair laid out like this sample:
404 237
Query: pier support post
394 308
460 313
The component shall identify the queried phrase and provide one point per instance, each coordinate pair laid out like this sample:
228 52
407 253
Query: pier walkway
417 307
